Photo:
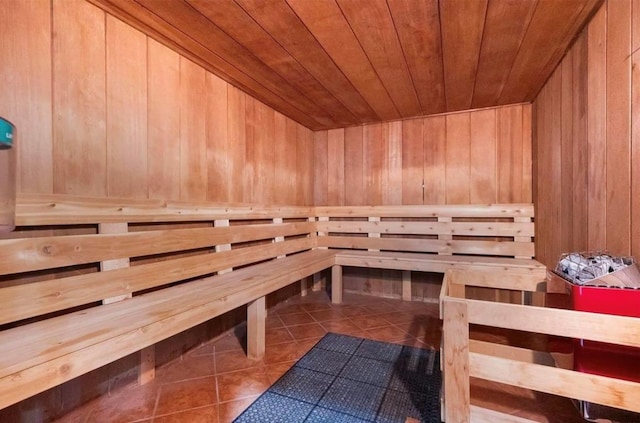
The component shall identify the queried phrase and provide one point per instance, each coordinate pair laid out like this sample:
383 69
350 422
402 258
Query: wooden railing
536 370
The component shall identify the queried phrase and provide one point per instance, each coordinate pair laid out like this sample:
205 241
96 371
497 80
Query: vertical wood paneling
129 117
597 124
304 165
635 132
618 126
164 122
218 146
355 190
335 167
237 137
580 154
435 160
527 155
250 172
483 157
25 26
284 160
79 101
376 159
292 157
412 161
265 157
193 143
458 164
126 110
596 130
511 166
566 153
394 182
320 174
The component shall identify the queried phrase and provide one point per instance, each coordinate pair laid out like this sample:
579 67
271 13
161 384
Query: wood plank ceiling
339 63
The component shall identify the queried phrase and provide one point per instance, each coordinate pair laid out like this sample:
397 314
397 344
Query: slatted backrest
71 252
503 230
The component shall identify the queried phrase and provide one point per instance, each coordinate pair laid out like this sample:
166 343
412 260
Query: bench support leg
304 286
336 284
406 285
147 370
256 315
317 282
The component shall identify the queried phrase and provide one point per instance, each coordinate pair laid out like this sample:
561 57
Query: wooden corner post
456 361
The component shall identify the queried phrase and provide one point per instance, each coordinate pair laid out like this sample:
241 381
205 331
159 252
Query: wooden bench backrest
501 230
76 252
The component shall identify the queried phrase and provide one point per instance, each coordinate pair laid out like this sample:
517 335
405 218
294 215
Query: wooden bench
431 238
86 282
526 368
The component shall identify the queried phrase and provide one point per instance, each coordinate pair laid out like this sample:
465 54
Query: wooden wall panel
193 142
163 146
354 183
412 161
393 191
458 159
635 130
320 170
618 121
335 167
126 64
129 117
512 150
595 121
435 161
475 156
597 131
79 100
236 141
483 183
218 147
25 26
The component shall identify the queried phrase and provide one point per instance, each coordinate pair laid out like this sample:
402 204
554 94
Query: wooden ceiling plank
142 19
373 26
234 21
462 28
589 10
186 19
329 26
551 25
277 18
418 26
506 24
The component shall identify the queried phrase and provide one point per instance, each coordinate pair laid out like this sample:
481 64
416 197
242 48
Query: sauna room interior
420 166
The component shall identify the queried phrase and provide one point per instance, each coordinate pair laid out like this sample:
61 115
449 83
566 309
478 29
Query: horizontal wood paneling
586 136
128 117
468 157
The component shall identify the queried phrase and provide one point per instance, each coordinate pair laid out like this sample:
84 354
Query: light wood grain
126 82
27 27
79 105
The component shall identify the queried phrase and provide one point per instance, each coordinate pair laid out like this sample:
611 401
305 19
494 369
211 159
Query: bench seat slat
39 342
429 263
485 248
38 298
30 254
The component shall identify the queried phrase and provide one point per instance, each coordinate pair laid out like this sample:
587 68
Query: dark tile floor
216 382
